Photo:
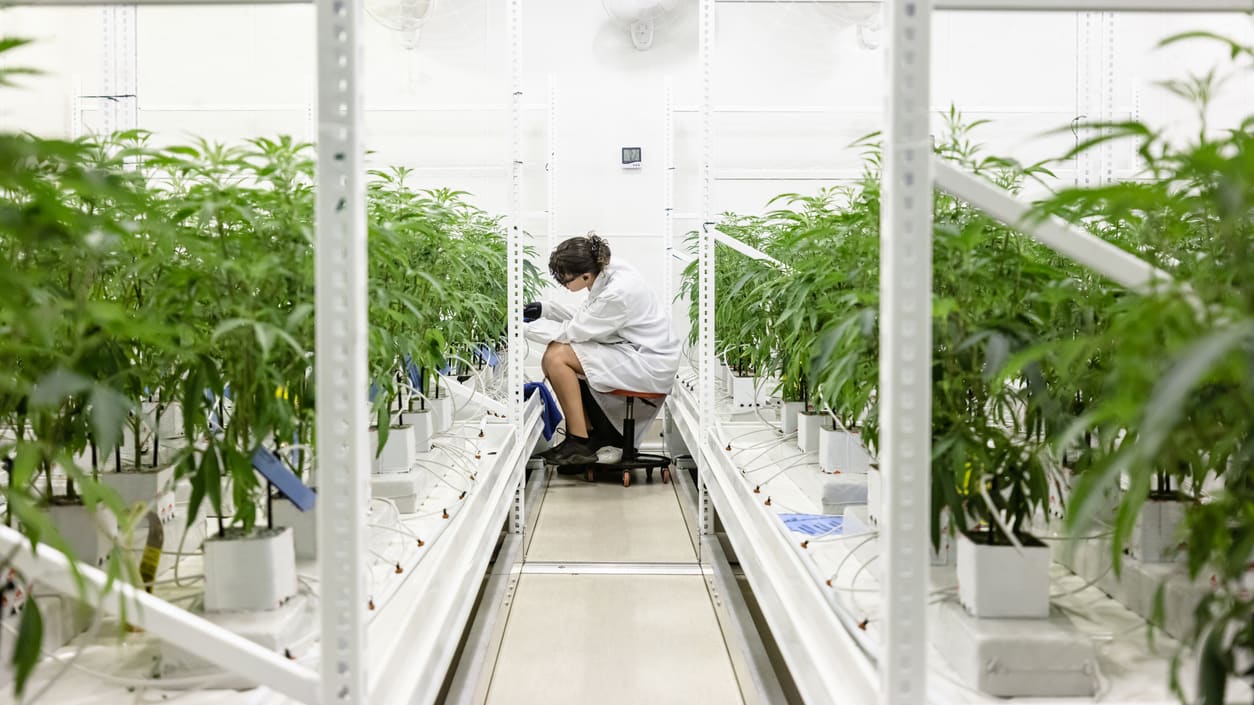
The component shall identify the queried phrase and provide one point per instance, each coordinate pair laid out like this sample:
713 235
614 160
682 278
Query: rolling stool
632 459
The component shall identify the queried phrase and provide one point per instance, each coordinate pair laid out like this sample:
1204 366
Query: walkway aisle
612 607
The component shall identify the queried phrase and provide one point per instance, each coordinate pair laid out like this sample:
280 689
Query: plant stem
156 435
139 456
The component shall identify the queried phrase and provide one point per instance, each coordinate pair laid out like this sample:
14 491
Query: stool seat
636 395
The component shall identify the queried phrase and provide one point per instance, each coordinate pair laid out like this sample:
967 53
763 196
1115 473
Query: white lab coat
622 336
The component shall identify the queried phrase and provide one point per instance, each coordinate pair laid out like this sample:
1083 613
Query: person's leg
562 367
600 429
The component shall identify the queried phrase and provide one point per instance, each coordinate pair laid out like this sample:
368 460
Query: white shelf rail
214 644
517 346
745 249
906 361
668 191
1085 248
551 175
1054 5
340 354
705 254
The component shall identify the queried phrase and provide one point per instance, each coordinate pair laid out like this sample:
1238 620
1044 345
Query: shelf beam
906 361
1047 5
168 622
747 250
340 354
1098 5
1085 248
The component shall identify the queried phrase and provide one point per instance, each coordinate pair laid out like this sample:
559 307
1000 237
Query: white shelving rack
340 364
909 175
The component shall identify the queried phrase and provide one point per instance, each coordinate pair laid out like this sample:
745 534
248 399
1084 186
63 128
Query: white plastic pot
808 431
859 459
996 581
250 572
442 413
788 415
398 453
144 486
833 449
748 392
423 425
1156 534
303 525
89 534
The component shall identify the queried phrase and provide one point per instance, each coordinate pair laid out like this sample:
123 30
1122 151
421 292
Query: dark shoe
547 454
575 451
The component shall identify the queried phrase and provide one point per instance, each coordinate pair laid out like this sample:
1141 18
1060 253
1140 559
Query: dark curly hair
582 254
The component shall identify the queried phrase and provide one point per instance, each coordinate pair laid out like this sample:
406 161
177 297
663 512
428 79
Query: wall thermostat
631 158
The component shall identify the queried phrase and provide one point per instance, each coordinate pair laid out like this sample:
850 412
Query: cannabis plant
1176 410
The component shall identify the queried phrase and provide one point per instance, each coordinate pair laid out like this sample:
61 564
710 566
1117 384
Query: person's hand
531 311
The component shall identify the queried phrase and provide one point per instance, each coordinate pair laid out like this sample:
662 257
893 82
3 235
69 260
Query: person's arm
557 311
597 322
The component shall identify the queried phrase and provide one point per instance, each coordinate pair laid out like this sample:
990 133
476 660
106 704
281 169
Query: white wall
232 72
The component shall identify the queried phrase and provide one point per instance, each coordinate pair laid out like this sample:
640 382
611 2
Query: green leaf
109 411
53 388
30 641
10 43
1166 406
1213 668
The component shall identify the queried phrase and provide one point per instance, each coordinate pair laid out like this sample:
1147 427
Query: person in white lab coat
620 339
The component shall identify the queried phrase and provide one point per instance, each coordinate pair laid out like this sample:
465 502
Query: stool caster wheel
648 475
666 476
590 475
626 478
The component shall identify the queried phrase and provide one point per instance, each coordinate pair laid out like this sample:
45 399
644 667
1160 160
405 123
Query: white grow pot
833 449
423 425
89 534
157 490
1156 534
304 526
144 486
874 496
996 581
788 415
441 413
748 392
398 453
171 423
859 458
808 431
250 572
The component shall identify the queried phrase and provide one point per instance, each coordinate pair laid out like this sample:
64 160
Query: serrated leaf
53 388
109 411
28 650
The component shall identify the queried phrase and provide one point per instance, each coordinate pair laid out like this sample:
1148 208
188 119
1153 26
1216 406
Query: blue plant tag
415 375
813 524
284 480
488 354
